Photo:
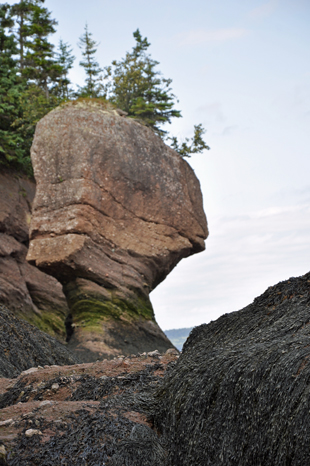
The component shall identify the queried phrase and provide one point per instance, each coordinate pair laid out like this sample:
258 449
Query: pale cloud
265 9
204 36
229 129
213 109
244 255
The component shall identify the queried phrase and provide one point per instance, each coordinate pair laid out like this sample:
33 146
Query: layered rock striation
115 210
29 293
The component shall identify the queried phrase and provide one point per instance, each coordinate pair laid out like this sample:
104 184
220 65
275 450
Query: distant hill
178 336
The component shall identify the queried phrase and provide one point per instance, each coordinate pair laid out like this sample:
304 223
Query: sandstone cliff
29 293
115 210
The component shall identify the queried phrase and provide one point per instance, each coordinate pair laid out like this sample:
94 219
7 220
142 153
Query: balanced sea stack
115 210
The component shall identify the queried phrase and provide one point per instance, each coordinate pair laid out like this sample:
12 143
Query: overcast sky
242 69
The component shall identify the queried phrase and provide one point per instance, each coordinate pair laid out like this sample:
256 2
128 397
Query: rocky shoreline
80 414
237 395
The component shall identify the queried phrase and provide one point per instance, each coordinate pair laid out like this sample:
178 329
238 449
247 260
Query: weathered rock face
27 291
115 210
239 394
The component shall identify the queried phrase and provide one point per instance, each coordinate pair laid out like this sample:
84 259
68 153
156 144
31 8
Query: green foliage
92 87
136 87
11 143
65 59
34 80
40 66
31 77
33 105
194 146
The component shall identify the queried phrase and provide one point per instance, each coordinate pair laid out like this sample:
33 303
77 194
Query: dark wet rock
23 346
239 393
142 448
90 419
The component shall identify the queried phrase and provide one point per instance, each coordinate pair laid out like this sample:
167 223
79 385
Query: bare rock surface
115 210
239 394
23 346
28 292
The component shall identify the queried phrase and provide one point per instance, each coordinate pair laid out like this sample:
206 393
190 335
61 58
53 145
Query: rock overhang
114 205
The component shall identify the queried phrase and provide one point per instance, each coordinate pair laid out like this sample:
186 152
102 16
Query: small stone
2 454
45 403
6 423
153 354
32 432
55 386
30 371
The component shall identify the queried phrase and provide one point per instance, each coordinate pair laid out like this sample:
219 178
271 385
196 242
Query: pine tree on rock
40 66
139 89
93 86
197 144
65 59
22 12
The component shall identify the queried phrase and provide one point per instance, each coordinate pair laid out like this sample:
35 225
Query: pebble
31 432
6 423
2 452
155 353
45 403
55 386
172 351
30 371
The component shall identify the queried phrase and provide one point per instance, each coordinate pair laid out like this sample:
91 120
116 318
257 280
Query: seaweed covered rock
28 292
23 346
115 210
239 394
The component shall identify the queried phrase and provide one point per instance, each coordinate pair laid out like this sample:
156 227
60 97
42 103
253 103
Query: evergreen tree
139 89
92 87
65 59
22 13
40 66
197 144
11 143
33 105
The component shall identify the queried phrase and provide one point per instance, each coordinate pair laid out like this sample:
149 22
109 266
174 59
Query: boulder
115 210
28 292
239 393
